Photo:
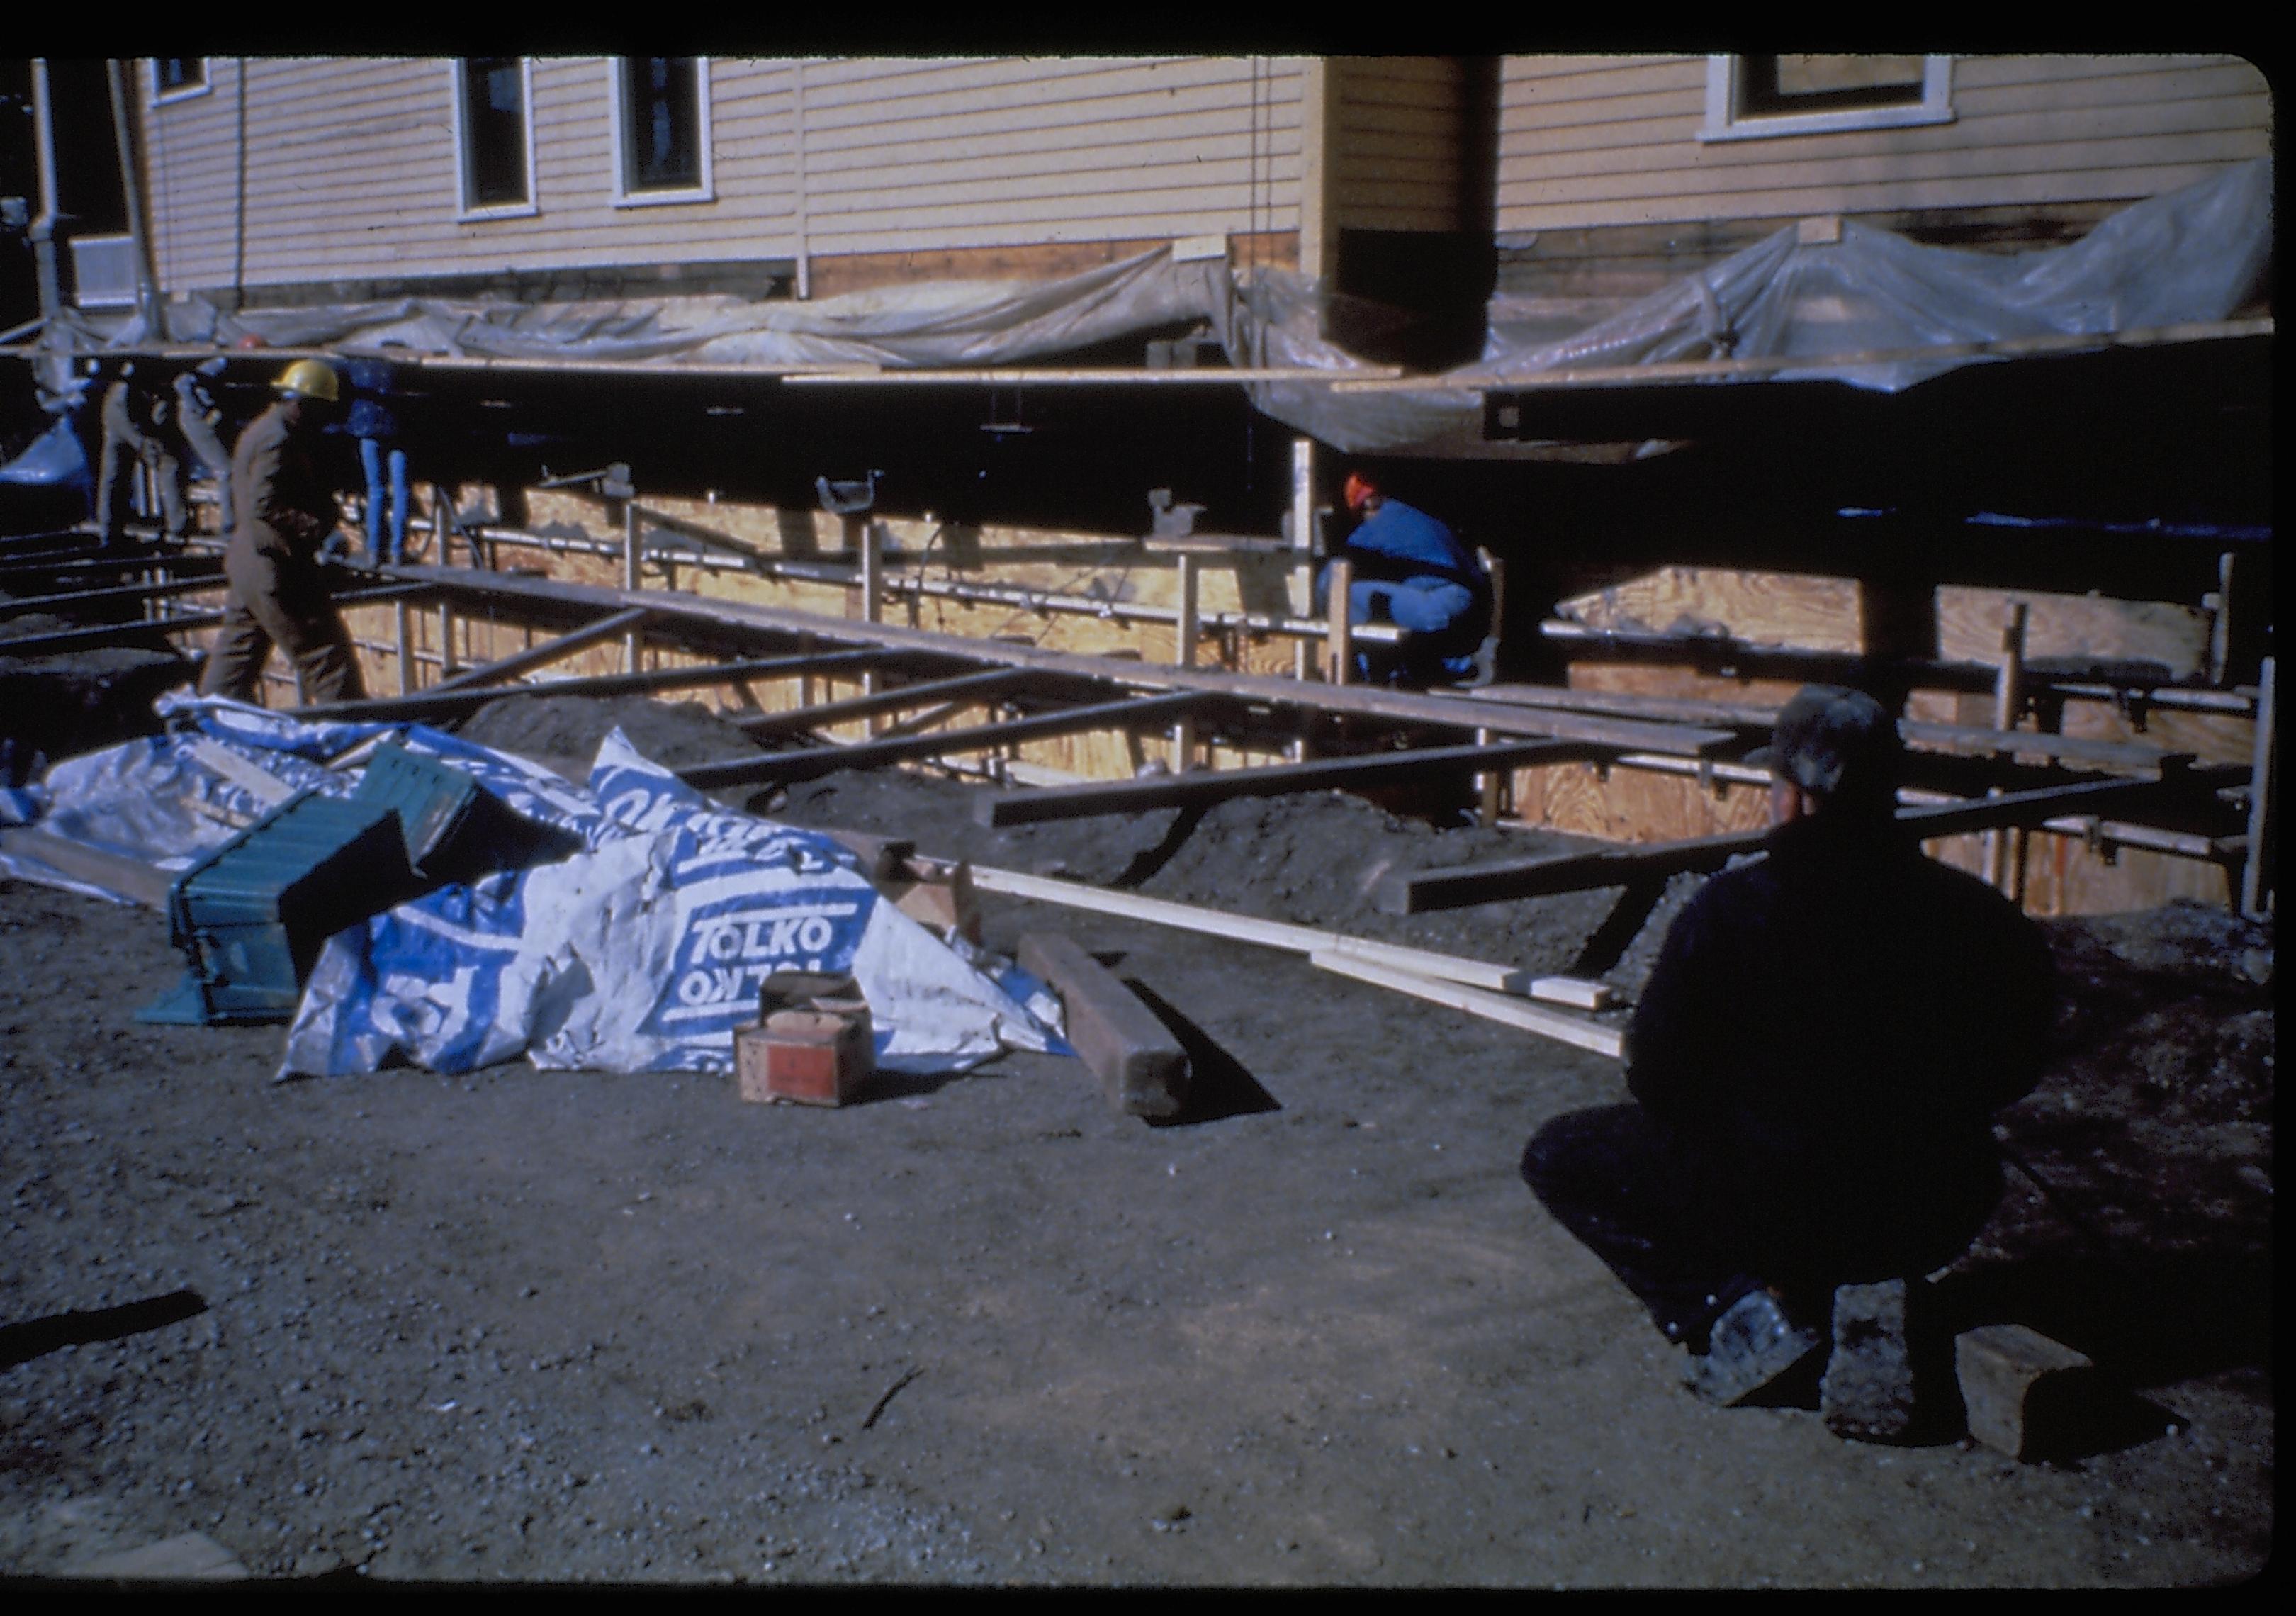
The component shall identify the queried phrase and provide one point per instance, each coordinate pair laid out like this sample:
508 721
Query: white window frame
162 98
617 68
1725 120
464 211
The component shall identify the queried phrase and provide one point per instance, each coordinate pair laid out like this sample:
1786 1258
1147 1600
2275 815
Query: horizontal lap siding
351 171
1587 142
918 156
1396 148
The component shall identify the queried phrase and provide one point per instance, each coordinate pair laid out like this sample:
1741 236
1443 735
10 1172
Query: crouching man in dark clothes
1815 1063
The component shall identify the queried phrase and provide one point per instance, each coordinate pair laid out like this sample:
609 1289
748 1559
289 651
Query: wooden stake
2256 879
2005 849
1340 647
401 620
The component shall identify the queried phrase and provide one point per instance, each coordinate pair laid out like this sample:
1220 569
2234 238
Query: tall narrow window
1748 97
493 107
173 77
661 129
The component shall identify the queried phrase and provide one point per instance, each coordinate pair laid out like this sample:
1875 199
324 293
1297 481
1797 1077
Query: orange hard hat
1356 489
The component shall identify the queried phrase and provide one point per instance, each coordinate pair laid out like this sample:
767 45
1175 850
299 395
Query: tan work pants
278 598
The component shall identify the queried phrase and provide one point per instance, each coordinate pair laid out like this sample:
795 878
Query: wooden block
814 1057
2011 1378
947 903
1142 1068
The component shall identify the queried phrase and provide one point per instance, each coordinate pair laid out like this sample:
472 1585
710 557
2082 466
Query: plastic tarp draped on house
2196 254
643 951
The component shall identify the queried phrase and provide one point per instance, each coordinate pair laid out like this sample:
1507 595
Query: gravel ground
595 1328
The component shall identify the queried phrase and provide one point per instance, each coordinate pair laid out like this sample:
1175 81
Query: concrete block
1142 1068
2017 1385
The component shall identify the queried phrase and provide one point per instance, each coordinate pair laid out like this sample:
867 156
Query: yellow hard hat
311 378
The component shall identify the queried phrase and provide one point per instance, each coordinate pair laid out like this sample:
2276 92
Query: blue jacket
1399 542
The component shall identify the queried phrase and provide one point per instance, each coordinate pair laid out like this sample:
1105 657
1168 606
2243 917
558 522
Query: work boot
1866 1393
1754 1346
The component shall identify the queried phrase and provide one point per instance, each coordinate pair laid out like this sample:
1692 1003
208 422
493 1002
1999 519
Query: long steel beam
1277 780
810 763
22 605
82 639
974 686
1419 891
538 656
434 703
1259 689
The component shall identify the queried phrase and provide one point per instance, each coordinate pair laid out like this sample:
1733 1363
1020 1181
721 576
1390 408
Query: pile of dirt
566 730
74 701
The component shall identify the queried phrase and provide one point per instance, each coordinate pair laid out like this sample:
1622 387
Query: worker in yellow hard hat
284 510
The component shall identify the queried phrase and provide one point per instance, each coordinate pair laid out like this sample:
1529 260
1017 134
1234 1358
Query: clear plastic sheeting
2194 255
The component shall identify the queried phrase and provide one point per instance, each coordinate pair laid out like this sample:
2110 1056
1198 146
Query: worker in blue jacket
1409 570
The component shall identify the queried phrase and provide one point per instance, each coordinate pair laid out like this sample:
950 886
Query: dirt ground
626 1329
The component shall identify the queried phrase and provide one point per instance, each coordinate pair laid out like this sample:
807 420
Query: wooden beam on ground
783 769
1268 690
1252 928
1142 1068
1420 892
116 633
1276 780
542 655
972 687
1490 1007
457 703
134 878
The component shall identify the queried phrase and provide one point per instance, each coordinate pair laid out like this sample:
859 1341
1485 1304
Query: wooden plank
2176 637
973 687
431 704
134 879
1276 780
1292 938
1142 1068
811 762
1490 1007
547 652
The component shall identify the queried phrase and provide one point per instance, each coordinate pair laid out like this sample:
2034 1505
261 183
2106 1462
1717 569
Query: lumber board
1814 612
1276 780
1485 974
1490 1007
144 883
1411 708
547 652
976 686
1416 892
455 703
811 762
1142 1068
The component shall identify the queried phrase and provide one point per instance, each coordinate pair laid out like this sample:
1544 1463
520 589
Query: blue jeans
380 518
1427 607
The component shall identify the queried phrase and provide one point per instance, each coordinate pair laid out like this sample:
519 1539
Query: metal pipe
139 236
43 232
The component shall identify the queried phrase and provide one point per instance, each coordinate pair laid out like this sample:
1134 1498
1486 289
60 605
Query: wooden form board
1488 975
1816 613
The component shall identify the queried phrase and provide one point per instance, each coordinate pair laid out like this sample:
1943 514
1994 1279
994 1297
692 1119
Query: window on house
493 107
177 76
661 128
1748 97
